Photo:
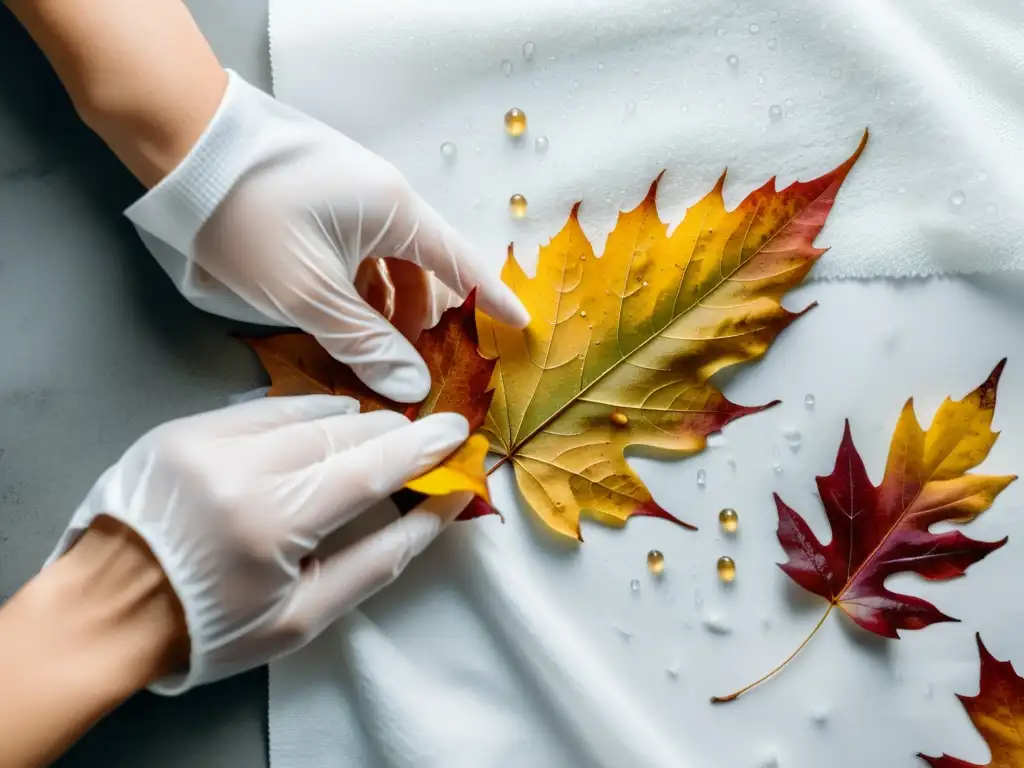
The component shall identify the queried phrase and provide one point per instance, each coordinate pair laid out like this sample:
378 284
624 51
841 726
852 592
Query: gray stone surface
97 347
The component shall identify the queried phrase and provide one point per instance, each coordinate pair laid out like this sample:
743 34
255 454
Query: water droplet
619 419
901 189
809 401
656 562
775 113
583 313
644 285
716 625
726 569
517 205
672 670
702 478
769 761
731 461
777 467
600 66
772 44
766 624
958 198
732 60
506 67
634 585
982 175
754 29
624 633
793 438
698 598
515 122
789 103
449 152
683 109
835 73
820 716
529 49
720 32
729 520
928 690
540 145
630 107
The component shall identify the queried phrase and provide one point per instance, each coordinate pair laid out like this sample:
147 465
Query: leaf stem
736 694
497 464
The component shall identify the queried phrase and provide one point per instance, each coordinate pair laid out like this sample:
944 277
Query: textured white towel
502 647
625 88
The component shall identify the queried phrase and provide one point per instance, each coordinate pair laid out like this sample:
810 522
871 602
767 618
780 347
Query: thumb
357 335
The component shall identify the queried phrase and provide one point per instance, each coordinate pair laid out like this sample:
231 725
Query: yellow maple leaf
621 349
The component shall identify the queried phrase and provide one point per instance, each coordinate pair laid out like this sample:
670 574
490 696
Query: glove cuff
236 139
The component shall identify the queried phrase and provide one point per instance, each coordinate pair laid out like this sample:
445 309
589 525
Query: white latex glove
281 210
234 503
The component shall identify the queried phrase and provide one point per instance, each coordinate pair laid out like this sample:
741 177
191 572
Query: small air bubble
529 49
775 113
541 144
732 60
809 401
506 67
630 107
983 176
754 29
772 44
835 73
777 467
958 198
702 478
720 32
634 585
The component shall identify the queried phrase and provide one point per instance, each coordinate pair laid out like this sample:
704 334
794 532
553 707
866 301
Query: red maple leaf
878 531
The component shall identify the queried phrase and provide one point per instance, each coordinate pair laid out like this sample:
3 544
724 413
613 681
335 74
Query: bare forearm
139 72
79 639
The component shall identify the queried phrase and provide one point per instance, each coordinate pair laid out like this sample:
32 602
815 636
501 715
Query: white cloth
940 85
500 646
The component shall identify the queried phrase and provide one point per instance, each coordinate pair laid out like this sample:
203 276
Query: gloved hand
282 210
234 503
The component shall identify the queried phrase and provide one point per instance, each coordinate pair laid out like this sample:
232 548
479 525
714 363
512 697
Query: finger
313 442
348 482
436 246
336 585
268 413
354 333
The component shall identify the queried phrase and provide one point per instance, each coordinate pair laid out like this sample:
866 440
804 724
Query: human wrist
139 74
94 627
117 609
